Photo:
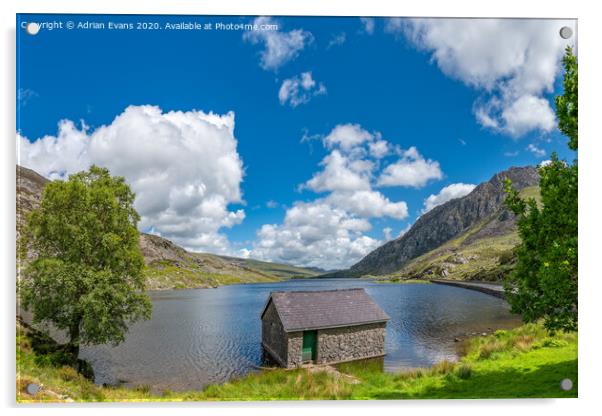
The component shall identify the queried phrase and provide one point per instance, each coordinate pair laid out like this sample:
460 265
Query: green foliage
544 282
86 273
566 104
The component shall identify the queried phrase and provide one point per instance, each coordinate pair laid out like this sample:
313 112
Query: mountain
168 265
467 237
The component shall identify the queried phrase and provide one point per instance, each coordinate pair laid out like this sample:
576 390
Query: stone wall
295 349
351 343
273 337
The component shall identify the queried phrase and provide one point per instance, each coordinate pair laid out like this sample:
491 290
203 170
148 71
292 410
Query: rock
449 220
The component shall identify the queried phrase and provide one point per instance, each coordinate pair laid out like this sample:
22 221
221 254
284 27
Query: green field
524 362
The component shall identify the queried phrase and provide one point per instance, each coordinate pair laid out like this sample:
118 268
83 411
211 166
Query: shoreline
494 359
489 288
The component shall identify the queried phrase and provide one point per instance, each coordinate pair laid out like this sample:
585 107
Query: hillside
167 264
465 238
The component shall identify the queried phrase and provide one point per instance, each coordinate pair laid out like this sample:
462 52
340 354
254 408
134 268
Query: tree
85 276
543 285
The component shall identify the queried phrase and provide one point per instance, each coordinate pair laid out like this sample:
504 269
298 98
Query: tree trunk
74 339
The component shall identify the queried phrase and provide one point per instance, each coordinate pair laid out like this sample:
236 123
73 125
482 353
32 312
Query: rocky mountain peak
449 220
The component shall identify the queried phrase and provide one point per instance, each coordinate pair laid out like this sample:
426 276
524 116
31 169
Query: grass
524 362
487 258
283 271
197 270
166 274
484 259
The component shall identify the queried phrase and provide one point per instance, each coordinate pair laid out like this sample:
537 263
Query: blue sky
451 103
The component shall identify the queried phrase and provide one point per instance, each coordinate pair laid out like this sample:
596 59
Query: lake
201 336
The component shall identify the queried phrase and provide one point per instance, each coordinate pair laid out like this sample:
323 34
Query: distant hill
167 264
466 238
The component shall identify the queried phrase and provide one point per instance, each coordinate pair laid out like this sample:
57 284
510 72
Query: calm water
202 336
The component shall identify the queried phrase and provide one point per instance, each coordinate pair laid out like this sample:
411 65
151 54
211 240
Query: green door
310 339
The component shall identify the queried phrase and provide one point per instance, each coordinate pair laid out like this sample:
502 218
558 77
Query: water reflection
196 337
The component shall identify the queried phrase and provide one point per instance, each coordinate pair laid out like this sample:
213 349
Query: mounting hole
566 32
33 388
566 384
32 28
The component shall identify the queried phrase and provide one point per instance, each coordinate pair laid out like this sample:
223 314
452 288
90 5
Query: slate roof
306 310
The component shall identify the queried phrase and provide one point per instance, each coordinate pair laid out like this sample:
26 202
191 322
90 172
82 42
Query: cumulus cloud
183 166
455 190
339 174
537 151
512 62
347 137
368 203
315 235
411 170
279 47
330 230
299 90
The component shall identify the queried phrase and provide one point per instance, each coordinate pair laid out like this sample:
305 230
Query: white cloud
279 47
329 231
347 137
368 203
545 163
537 151
367 24
315 235
337 39
412 170
338 175
299 90
513 62
379 148
183 166
387 233
455 190
395 25
528 113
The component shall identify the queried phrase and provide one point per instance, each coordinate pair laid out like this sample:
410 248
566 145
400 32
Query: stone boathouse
323 327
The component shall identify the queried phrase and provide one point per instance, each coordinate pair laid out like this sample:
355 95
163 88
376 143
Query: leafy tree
85 276
543 284
566 104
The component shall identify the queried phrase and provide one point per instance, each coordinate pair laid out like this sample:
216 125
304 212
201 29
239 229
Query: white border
590 178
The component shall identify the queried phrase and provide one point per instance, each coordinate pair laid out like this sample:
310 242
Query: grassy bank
524 362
